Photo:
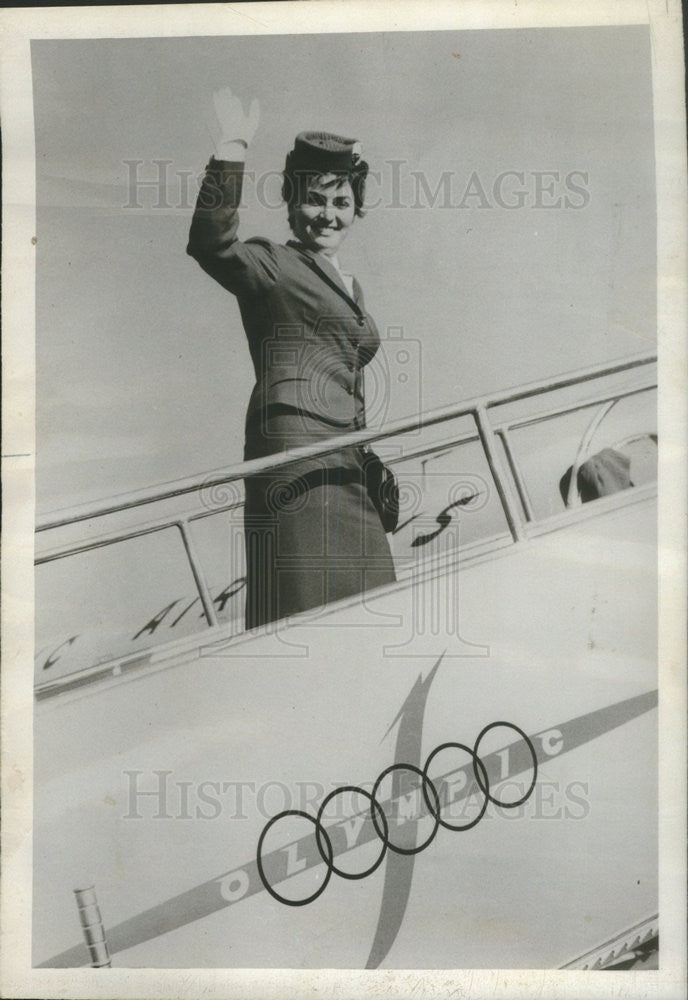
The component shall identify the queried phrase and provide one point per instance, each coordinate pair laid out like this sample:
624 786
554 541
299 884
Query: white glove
232 130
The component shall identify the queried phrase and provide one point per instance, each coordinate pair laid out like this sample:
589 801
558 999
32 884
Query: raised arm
213 236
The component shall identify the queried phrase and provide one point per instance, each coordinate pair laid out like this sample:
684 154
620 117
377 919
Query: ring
319 828
476 760
259 860
486 790
435 815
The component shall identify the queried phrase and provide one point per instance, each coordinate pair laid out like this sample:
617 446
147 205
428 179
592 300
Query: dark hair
297 180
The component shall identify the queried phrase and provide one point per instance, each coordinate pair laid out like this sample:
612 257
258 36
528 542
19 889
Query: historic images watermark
161 185
454 787
159 795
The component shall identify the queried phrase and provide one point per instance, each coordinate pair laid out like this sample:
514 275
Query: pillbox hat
324 152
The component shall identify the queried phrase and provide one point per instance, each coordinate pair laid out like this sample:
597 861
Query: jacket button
349 389
361 321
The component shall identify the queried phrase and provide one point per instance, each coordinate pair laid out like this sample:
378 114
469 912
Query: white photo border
18 308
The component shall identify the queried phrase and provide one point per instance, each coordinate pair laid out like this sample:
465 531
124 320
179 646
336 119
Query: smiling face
322 220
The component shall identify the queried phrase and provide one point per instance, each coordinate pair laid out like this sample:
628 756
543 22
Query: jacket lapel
321 266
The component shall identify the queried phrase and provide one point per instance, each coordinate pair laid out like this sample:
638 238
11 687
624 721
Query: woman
312 532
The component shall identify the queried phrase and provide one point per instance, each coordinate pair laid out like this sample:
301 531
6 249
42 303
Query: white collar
334 260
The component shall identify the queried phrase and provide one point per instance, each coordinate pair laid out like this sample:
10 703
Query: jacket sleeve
242 268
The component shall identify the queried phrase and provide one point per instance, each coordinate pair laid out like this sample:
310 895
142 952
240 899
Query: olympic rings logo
379 819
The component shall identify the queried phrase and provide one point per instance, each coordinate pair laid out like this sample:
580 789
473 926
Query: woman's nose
328 212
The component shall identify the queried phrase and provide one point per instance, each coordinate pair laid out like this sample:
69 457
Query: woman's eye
342 202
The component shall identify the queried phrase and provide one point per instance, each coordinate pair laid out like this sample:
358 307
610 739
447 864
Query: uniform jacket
308 338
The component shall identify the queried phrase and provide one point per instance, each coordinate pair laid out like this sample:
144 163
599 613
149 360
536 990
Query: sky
143 373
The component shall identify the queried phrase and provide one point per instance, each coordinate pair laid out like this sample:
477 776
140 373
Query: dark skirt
312 536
